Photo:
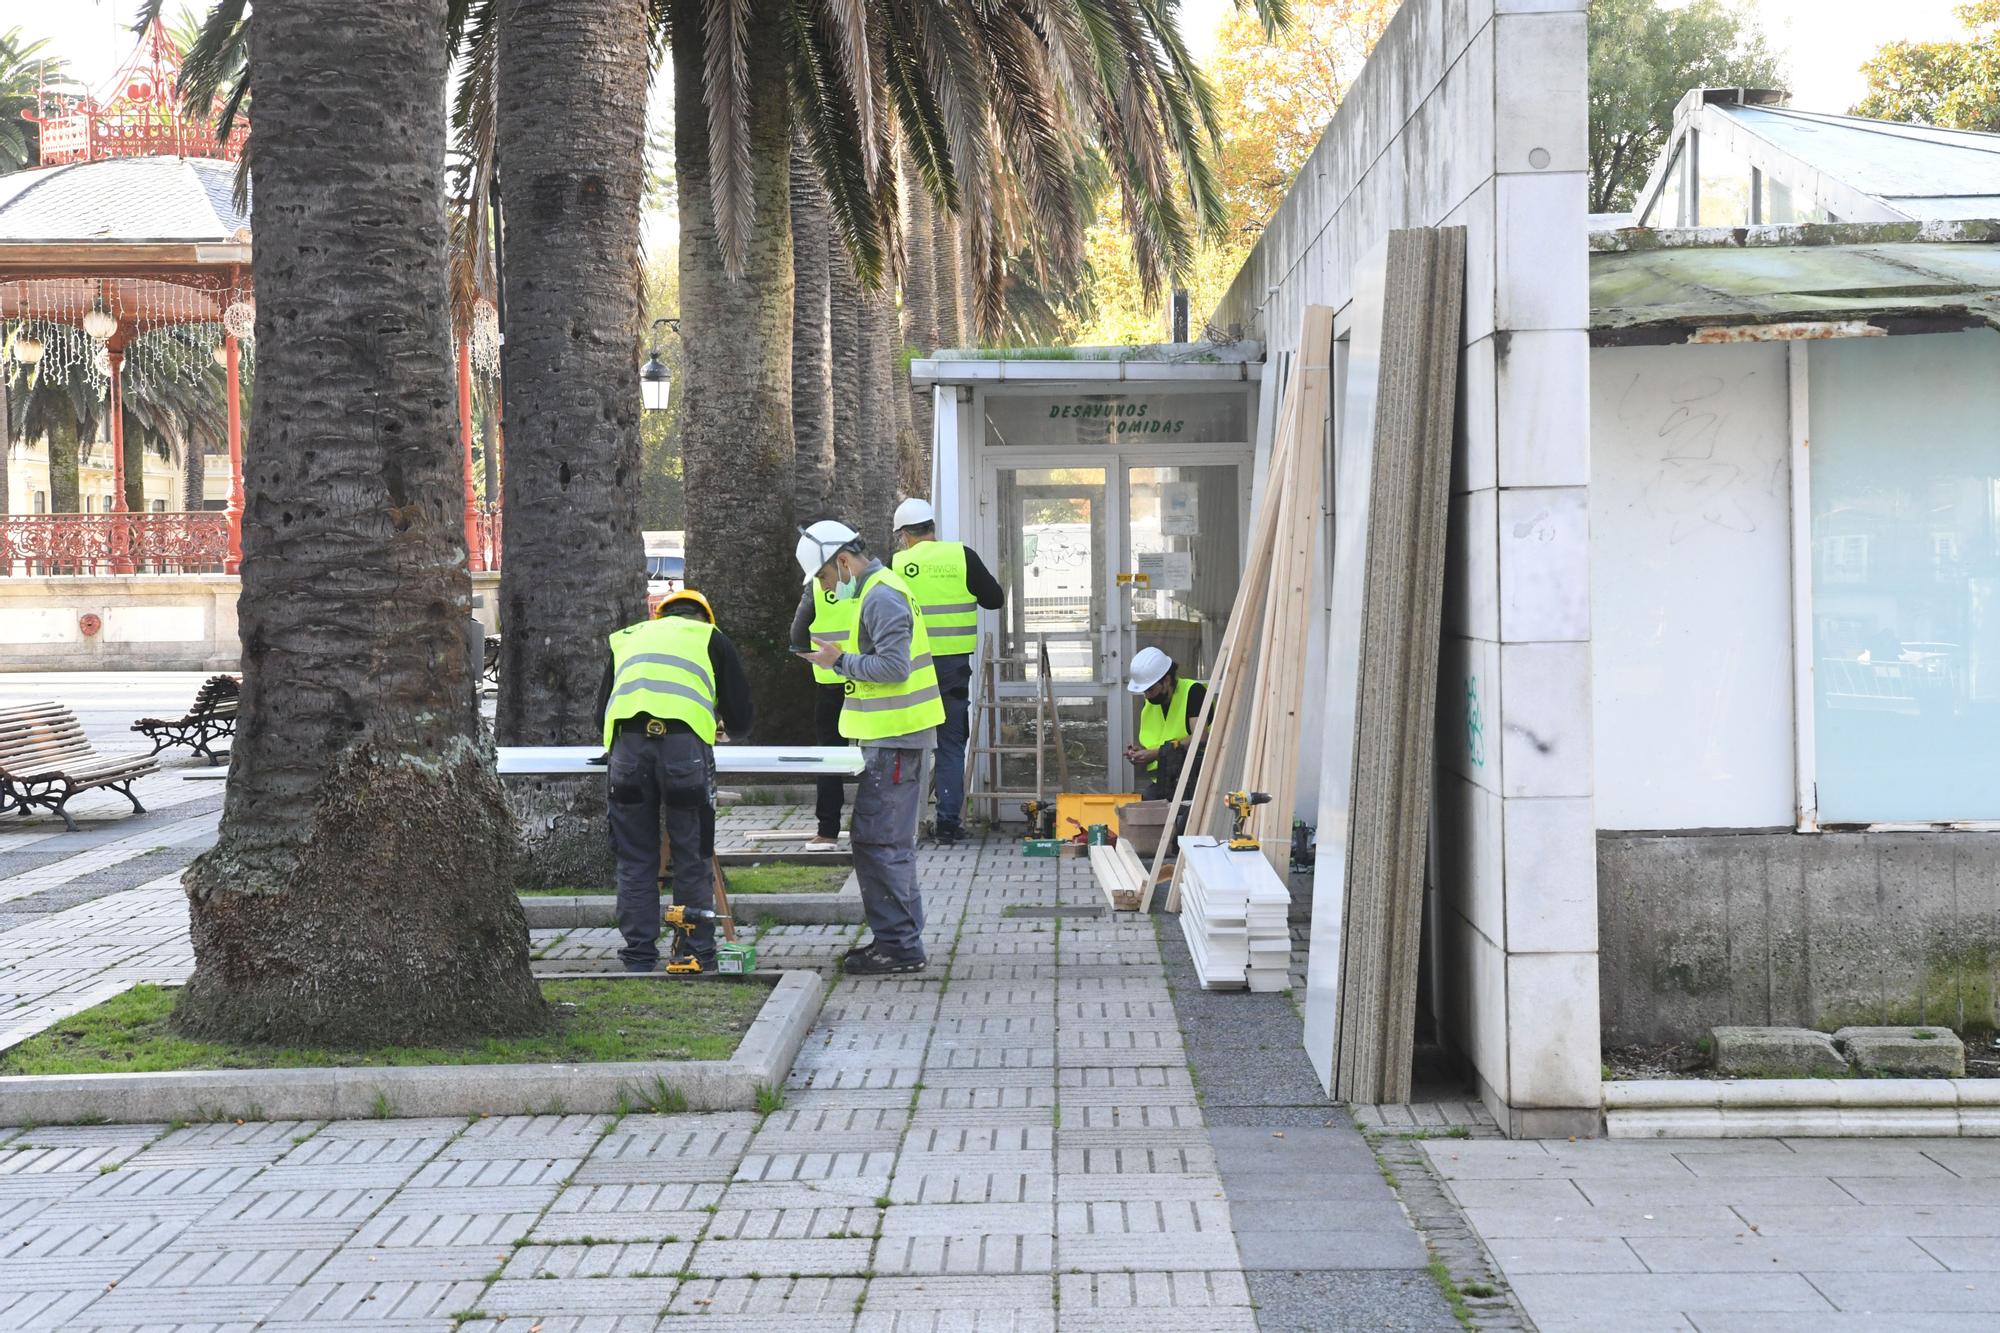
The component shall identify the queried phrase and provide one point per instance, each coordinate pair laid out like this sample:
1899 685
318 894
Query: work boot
876 961
947 835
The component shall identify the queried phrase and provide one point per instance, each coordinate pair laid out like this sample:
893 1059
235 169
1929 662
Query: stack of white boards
1233 915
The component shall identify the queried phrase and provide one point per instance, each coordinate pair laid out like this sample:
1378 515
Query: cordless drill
1240 804
682 921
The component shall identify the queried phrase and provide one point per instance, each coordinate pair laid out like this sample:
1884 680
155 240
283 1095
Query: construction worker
669 682
951 583
1165 722
822 615
891 710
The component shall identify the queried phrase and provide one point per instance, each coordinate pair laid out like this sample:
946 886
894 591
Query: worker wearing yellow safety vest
1166 721
951 584
891 710
825 616
670 683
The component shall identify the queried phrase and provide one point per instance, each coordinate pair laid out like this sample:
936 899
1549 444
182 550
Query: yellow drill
683 920
1240 804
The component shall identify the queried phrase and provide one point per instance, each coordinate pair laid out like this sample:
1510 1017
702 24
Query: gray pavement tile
1655 1322
183 1305
1614 1295
234 1267
1891 1295
959 1219
1571 1254
780 1258
1323 1250
1746 1252
1624 1220
603 1295
1964 1254
1819 1158
837 1222
440 1263
1873 1220
1348 1186
1337 1302
369 1304
1555 1195
47 1308
965 1253
956 1321
1908 1321
1728 1191
773 1298
1918 1189
1026 1291
639 1259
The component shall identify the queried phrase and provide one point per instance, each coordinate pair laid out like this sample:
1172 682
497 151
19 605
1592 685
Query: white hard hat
913 513
820 543
1149 667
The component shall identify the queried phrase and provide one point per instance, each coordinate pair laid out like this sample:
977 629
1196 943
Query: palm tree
23 66
571 138
360 890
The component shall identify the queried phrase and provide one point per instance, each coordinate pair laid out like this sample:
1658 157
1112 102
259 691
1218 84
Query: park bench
212 718
489 666
45 761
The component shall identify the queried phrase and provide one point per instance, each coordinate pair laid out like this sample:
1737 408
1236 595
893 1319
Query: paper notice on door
1167 571
1180 509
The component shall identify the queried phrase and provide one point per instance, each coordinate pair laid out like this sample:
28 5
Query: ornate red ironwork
139 114
179 543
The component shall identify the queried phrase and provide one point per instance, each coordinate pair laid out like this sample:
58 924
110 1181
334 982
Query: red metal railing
176 543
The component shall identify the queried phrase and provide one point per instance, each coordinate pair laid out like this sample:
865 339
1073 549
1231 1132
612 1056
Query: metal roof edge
1633 240
932 370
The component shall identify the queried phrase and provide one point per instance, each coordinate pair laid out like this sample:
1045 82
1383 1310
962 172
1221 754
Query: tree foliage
1274 94
1643 60
1952 84
22 66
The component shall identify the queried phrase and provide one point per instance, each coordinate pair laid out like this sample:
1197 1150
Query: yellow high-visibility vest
660 668
873 710
833 620
935 572
1159 725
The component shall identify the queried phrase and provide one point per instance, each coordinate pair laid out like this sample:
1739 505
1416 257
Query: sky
1823 41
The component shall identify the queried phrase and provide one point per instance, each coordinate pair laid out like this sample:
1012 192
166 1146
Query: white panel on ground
1690 550
1353 459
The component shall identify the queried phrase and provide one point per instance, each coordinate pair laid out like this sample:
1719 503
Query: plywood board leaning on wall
1388 590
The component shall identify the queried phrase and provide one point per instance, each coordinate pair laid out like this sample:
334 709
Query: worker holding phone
891 707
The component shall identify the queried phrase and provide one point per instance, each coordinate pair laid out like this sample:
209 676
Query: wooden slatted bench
212 718
45 761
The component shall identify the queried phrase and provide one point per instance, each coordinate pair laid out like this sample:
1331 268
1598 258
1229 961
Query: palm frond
917 111
825 117
857 72
726 89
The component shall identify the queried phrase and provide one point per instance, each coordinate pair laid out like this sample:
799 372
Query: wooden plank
1113 880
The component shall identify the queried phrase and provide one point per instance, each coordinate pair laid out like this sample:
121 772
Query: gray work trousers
650 777
883 834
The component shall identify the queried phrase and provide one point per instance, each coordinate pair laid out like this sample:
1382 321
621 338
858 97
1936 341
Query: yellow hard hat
686 595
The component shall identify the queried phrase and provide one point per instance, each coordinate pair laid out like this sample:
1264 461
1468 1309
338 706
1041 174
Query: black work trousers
666 779
826 731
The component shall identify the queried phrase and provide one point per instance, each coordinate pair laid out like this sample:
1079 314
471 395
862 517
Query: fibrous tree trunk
357 894
65 459
736 422
571 128
919 318
812 350
844 337
879 452
6 445
194 482
135 469
945 279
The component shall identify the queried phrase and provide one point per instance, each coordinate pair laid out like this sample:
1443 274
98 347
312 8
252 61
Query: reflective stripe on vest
660 669
834 621
1159 725
873 711
935 572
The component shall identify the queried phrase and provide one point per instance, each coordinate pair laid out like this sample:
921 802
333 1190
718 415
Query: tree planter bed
584 911
1802 1108
762 1060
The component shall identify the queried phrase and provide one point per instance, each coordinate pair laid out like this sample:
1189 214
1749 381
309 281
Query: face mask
847 589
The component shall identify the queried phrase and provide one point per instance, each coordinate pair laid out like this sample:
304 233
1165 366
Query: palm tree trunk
489 434
65 464
6 447
195 477
736 427
812 349
919 319
358 893
135 467
571 118
844 336
945 267
878 416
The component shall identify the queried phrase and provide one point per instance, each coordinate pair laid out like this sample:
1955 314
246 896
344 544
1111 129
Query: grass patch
594 1021
769 877
1442 1276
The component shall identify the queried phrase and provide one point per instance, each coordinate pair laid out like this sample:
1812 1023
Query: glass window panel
1906 577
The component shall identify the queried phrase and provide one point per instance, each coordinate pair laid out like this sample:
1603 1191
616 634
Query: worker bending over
1165 722
950 583
669 682
891 710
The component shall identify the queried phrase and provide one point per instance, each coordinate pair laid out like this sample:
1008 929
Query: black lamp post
655 383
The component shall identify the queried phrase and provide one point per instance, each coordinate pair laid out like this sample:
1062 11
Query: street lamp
655 382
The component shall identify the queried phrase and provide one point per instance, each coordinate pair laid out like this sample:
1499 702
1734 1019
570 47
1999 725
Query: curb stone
762 1059
600 910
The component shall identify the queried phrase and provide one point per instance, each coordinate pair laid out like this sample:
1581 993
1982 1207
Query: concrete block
1915 1052
1544 536
1760 1052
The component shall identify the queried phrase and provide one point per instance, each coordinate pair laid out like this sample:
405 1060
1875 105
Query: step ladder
1047 729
